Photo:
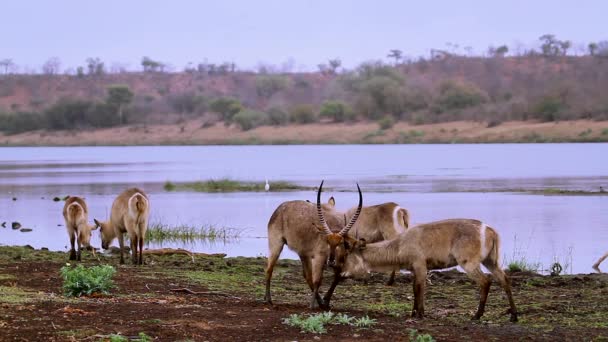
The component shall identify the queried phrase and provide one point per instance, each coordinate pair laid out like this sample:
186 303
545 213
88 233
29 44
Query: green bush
227 107
188 102
101 115
67 114
277 117
336 111
80 280
15 123
386 122
459 95
548 108
268 85
248 119
302 114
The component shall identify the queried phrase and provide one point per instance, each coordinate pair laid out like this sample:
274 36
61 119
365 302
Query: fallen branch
172 251
186 290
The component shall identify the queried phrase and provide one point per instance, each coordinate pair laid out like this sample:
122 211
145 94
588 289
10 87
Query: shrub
248 119
277 117
15 123
459 95
386 122
417 337
188 102
268 85
67 114
227 107
336 111
302 114
101 115
548 108
81 280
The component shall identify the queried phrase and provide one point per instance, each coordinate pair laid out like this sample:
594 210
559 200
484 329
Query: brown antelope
293 224
76 215
130 212
436 245
380 222
596 266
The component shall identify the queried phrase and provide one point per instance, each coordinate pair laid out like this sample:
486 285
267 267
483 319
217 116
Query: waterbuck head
340 239
106 232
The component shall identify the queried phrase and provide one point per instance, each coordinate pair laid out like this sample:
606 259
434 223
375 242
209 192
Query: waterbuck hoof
390 282
475 318
513 318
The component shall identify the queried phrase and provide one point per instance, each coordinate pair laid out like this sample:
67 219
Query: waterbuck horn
320 212
345 230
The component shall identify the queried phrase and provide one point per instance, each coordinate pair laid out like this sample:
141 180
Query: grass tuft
230 185
159 232
316 323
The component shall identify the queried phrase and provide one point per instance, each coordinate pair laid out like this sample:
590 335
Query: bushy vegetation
546 84
159 232
81 280
248 119
230 185
316 323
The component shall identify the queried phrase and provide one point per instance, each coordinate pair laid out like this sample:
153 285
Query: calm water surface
430 180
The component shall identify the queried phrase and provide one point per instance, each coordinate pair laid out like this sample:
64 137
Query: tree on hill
7 65
151 65
396 54
51 66
119 96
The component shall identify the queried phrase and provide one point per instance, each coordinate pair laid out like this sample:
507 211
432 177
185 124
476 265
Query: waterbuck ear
97 224
318 227
331 201
361 243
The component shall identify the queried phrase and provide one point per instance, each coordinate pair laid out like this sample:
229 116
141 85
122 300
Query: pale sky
309 32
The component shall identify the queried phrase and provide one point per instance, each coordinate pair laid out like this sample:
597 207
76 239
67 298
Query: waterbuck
130 212
380 222
295 224
431 246
76 216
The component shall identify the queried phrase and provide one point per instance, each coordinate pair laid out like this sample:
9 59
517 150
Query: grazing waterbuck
130 212
294 223
380 222
437 245
76 216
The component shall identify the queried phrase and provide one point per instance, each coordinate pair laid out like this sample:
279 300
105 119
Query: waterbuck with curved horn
437 245
293 224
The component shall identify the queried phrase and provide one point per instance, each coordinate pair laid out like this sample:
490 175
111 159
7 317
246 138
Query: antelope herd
353 243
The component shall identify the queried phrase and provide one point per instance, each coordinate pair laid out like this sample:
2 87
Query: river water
433 182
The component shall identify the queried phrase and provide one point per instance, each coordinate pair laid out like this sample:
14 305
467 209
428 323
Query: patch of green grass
141 337
522 265
417 337
394 309
316 323
81 280
159 232
15 295
230 185
605 131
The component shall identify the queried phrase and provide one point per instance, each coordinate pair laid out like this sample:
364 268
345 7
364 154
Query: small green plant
416 337
118 338
386 122
364 322
522 265
343 318
82 280
605 131
316 323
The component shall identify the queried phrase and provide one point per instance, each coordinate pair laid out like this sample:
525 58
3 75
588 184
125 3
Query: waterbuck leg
141 250
332 287
275 248
391 279
133 240
596 266
505 282
307 273
484 282
121 243
317 277
72 250
419 284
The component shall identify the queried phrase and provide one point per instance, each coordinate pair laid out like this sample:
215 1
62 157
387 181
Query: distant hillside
442 89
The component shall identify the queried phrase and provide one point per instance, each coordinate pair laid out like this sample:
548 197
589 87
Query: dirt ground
192 133
33 308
